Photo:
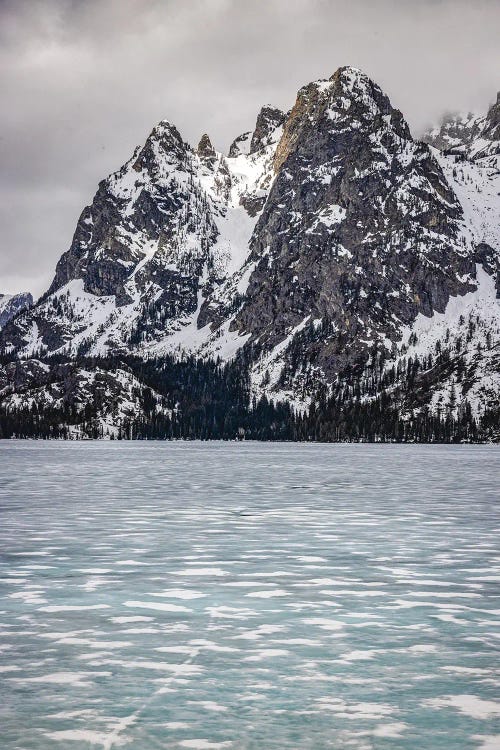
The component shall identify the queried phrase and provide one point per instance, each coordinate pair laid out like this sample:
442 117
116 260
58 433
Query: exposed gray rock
13 304
240 145
318 241
206 151
360 230
269 120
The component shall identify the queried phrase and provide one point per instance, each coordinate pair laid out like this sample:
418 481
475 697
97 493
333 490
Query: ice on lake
249 596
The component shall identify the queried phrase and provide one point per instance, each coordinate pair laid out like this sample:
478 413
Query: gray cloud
84 81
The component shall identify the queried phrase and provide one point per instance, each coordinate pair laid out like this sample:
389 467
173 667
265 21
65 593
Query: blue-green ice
249 596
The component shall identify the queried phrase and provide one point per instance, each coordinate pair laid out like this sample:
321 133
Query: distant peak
206 151
241 144
349 72
166 129
205 146
268 120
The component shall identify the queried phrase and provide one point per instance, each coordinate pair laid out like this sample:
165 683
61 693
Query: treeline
208 400
200 400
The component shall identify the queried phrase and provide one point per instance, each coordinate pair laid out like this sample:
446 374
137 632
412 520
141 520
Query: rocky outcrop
474 137
360 232
269 120
311 250
240 145
492 125
13 304
206 151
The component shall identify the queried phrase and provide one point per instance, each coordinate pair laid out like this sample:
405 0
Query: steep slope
329 254
360 234
12 304
76 400
161 234
472 136
468 151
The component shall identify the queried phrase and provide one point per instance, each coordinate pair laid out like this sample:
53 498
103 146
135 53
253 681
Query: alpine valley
330 278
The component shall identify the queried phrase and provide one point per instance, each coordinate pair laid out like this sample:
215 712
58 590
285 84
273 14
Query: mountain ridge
13 304
313 248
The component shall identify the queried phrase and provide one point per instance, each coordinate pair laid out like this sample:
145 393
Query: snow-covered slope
474 136
326 235
152 255
12 304
469 331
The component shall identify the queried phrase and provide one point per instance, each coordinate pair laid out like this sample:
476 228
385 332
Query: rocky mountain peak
206 151
166 133
240 145
325 237
356 218
349 99
12 304
360 96
493 119
269 120
164 146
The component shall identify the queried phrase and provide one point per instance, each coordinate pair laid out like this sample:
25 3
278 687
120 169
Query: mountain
328 259
477 137
12 304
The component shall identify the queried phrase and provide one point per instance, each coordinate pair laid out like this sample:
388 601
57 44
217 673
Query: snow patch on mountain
477 187
12 304
325 235
470 329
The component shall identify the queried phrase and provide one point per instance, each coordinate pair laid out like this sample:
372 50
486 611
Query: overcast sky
84 81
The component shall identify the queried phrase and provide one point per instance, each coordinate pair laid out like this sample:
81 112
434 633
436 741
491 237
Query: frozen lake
249 596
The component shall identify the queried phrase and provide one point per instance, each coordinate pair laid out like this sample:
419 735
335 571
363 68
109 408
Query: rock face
241 145
12 304
492 124
206 151
360 232
473 136
269 120
469 154
320 242
142 213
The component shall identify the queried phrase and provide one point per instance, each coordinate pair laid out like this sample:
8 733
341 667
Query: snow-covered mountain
476 137
326 241
161 239
12 304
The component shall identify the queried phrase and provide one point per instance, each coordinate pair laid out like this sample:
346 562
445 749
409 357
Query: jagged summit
326 240
351 79
13 304
205 150
167 137
360 89
266 132
269 120
241 145
475 136
349 98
